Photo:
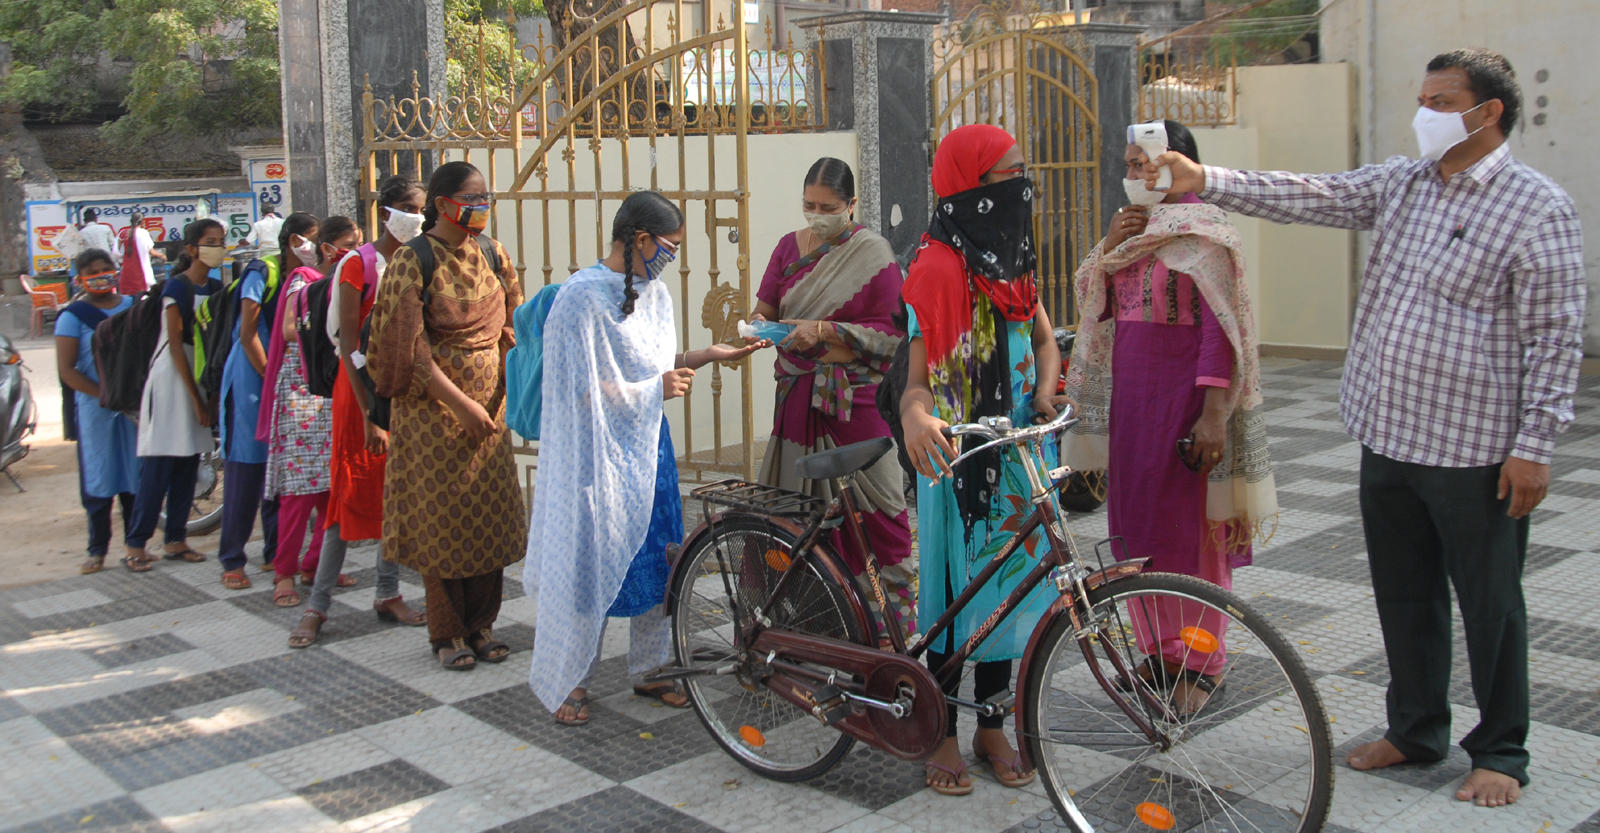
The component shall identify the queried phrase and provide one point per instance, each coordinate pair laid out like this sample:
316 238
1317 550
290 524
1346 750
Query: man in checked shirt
1460 374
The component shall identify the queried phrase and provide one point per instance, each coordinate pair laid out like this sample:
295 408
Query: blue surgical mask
658 261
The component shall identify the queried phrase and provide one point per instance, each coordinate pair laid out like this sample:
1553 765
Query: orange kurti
355 501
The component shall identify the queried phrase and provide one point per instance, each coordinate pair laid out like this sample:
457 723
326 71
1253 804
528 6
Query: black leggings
990 679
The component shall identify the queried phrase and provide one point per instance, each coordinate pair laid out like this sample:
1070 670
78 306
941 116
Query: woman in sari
452 506
981 344
1173 419
838 283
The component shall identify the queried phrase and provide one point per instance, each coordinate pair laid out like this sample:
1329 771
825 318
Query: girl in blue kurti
980 344
108 465
593 552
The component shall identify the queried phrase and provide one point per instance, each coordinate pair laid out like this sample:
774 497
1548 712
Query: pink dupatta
275 350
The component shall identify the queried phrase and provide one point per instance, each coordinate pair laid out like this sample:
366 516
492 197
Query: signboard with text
165 218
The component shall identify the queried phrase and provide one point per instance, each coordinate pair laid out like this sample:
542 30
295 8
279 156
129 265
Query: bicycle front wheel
725 577
1255 754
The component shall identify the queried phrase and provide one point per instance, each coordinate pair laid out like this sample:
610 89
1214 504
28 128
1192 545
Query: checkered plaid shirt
1468 330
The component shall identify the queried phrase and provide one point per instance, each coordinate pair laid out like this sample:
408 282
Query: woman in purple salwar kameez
1189 478
838 282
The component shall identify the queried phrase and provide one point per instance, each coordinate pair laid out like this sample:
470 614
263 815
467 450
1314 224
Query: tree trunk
570 21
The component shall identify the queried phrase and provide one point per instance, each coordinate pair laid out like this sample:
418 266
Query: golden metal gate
636 99
1018 69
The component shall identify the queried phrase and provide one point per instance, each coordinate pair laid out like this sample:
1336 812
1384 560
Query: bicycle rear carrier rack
762 500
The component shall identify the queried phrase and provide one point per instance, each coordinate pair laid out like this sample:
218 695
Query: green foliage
484 54
1262 33
199 67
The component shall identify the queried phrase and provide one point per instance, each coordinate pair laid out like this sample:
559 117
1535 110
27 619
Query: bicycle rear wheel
1256 756
726 576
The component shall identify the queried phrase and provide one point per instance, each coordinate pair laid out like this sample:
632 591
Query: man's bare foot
945 772
1375 755
1489 788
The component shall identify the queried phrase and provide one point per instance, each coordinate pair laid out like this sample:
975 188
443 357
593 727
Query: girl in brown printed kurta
452 508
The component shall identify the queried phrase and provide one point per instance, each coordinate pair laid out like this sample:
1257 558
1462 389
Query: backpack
215 319
123 345
90 316
525 365
318 357
378 414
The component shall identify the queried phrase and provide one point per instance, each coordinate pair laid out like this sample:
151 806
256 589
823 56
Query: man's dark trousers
1429 528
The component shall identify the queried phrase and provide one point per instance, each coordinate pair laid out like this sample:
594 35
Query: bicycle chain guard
888 677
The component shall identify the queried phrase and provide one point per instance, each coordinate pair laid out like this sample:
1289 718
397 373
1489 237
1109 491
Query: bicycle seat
844 460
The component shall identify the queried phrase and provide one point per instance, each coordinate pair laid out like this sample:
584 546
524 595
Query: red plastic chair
51 299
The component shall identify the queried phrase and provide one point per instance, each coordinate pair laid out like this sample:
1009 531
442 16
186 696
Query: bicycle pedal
829 705
1000 704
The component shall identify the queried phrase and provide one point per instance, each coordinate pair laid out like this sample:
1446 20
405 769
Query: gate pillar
878 66
1115 60
330 49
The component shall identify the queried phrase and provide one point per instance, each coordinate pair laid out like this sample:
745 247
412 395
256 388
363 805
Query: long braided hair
645 211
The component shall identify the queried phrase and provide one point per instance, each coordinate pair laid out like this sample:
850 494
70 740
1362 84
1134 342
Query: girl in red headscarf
981 344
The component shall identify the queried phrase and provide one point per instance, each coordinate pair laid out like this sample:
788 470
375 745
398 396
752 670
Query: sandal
660 690
1159 680
1209 685
310 579
92 564
1013 766
461 658
578 705
958 772
235 579
385 608
188 554
285 596
138 563
303 636
490 649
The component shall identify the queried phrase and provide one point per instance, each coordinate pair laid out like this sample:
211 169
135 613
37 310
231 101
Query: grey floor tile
370 790
119 815
139 650
195 754
1428 777
872 779
614 810
338 690
145 705
1565 638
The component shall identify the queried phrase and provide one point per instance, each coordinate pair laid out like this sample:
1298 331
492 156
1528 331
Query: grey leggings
333 551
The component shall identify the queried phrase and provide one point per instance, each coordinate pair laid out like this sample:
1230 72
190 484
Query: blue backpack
525 364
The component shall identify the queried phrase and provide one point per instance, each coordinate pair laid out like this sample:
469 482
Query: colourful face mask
99 283
473 218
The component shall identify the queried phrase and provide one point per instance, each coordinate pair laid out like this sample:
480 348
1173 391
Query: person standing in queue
174 416
359 450
245 455
1462 367
981 346
108 462
452 506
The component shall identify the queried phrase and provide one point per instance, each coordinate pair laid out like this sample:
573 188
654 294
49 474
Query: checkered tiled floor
164 702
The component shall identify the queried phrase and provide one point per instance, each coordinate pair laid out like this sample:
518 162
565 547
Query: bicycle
781 657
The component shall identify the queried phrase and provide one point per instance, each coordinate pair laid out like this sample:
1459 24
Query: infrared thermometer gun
1151 137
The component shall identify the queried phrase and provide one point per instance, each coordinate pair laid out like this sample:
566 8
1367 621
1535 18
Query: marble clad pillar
1115 64
879 66
330 49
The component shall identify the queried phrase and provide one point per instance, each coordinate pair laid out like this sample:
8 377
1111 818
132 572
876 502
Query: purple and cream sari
852 282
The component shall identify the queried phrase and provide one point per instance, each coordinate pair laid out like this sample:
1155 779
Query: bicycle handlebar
998 431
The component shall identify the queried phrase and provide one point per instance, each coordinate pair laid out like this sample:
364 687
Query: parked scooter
18 416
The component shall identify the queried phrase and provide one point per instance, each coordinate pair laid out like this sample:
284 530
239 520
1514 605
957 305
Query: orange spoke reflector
1198 639
1155 816
777 560
751 734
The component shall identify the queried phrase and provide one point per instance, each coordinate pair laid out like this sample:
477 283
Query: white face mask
827 226
1438 132
403 225
304 249
1140 195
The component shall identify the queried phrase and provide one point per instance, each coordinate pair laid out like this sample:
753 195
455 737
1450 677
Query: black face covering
991 226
